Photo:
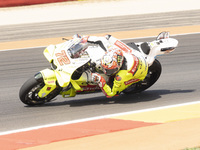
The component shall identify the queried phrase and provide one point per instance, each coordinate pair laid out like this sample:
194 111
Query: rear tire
153 75
28 93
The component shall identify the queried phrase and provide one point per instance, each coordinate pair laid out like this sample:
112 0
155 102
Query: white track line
96 118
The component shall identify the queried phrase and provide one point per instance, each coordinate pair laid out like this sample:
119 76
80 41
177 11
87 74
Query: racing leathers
134 66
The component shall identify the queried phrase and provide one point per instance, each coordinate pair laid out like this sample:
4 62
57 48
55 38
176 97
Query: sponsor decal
50 82
131 81
118 78
123 46
90 88
43 94
48 88
62 58
135 65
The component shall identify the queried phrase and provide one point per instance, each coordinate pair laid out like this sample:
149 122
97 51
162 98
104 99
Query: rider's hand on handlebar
96 78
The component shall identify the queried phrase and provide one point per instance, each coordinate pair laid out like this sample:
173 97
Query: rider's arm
101 41
107 41
97 78
114 41
122 80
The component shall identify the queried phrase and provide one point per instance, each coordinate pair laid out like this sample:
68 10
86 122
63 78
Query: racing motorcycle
73 60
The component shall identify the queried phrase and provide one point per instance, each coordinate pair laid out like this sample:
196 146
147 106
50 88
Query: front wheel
153 74
28 93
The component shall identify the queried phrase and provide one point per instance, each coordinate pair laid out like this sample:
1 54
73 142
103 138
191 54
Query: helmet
112 61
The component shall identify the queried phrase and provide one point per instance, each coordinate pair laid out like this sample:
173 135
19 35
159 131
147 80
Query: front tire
28 93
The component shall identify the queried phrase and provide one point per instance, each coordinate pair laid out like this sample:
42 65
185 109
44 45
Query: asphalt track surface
179 83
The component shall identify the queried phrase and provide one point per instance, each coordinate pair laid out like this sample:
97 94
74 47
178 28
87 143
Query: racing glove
97 78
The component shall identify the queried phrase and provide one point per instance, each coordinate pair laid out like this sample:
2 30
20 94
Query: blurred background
20 20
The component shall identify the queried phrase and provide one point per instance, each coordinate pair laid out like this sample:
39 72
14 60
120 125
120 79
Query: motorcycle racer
125 64
111 66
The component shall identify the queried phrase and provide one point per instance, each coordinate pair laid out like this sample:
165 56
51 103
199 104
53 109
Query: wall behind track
11 3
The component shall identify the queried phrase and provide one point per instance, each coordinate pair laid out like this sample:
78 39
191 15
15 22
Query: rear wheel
153 74
29 92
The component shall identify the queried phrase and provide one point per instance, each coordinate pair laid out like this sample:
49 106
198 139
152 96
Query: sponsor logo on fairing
131 81
135 66
123 46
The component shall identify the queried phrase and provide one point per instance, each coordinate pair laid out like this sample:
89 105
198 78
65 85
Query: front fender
48 52
49 79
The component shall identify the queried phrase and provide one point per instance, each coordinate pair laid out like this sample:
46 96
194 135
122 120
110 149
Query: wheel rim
32 96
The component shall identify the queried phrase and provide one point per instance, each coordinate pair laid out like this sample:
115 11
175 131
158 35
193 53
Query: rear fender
160 47
49 79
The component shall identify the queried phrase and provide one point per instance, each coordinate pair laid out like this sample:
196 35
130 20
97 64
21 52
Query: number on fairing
62 58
